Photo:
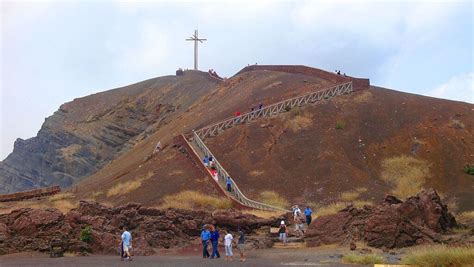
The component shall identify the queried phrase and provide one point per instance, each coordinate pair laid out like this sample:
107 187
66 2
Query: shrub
287 108
363 259
469 169
440 255
274 199
192 199
406 173
86 234
340 125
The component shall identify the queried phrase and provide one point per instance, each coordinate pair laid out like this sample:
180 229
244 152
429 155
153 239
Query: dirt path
266 257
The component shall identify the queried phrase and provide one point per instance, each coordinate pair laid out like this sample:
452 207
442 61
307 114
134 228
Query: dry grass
362 97
192 199
124 188
274 199
299 122
361 190
265 214
256 173
64 206
363 259
335 207
349 196
457 124
127 187
352 195
466 216
440 255
407 174
60 204
61 196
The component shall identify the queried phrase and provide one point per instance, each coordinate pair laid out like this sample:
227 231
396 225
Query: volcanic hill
357 143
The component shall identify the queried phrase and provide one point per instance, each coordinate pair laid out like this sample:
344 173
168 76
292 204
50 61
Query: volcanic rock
391 224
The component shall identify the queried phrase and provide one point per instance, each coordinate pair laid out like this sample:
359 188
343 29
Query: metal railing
272 109
222 175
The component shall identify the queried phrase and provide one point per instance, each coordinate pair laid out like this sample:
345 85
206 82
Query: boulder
391 224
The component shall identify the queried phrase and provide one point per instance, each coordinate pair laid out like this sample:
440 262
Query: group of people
210 234
210 163
338 72
213 73
299 223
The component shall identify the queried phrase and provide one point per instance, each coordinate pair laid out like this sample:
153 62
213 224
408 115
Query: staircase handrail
236 193
278 107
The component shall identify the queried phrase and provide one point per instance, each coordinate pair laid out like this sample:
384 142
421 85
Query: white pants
228 251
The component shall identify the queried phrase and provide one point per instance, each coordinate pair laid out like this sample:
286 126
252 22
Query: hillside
350 144
317 153
87 133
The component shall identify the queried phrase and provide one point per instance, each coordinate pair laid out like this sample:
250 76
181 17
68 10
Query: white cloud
459 87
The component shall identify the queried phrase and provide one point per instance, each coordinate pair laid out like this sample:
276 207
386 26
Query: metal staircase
200 149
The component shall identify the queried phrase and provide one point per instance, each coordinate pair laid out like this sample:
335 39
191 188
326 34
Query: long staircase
199 148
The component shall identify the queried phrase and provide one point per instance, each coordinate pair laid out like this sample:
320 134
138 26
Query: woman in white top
228 246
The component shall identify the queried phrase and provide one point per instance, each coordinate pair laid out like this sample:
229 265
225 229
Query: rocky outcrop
391 224
33 229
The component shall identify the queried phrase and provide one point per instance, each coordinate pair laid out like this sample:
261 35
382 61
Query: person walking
126 243
206 161
241 244
228 246
205 236
228 183
283 231
308 212
299 224
215 242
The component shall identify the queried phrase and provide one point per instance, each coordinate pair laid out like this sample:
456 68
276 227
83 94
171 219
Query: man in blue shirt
215 242
126 242
308 213
229 184
205 237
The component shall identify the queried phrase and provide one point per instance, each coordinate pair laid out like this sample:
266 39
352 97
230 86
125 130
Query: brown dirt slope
171 170
303 156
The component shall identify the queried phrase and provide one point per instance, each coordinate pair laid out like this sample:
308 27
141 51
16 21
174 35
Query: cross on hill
196 39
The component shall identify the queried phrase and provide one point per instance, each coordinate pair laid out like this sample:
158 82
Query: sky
55 51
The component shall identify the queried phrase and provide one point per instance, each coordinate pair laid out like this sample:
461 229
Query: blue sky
55 51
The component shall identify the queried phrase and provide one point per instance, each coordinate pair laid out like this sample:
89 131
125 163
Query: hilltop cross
196 39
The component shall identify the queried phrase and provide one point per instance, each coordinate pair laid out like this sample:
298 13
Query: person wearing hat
283 231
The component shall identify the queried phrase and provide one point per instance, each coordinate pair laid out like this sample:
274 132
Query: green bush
469 169
340 125
86 234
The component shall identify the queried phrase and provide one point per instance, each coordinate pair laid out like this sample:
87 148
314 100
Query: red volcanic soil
302 156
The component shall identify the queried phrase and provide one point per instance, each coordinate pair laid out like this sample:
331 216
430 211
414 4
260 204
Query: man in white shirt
228 246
